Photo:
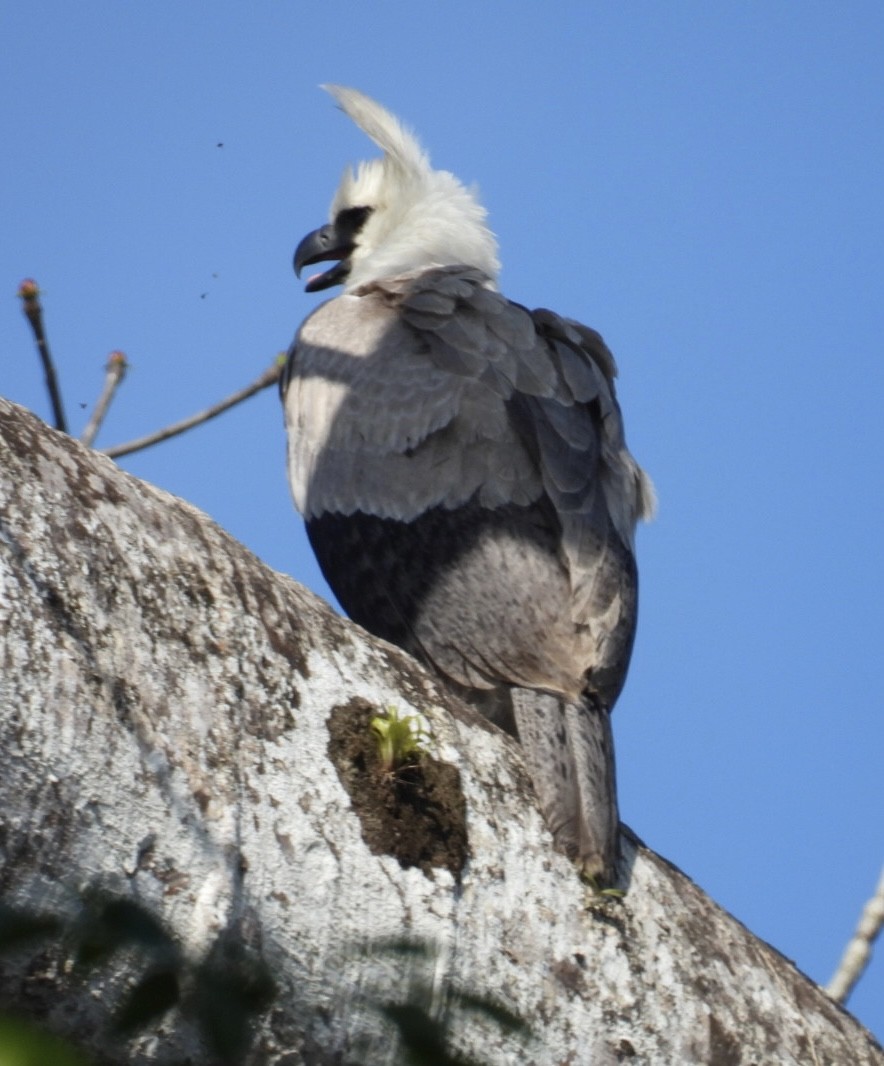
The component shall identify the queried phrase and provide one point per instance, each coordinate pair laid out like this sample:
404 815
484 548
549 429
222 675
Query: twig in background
116 370
29 291
269 377
858 952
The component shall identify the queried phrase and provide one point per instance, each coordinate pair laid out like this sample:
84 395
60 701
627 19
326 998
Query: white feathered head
395 214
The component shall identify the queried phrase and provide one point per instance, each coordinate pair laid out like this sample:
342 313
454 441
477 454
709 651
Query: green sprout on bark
402 739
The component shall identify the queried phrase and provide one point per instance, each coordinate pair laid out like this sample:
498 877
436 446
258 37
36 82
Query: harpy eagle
461 467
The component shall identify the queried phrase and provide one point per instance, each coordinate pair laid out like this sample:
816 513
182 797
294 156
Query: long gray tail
569 751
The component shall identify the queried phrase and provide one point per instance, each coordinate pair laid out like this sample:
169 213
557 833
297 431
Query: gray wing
594 483
387 417
432 390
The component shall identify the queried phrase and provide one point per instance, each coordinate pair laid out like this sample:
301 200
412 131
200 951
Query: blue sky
700 182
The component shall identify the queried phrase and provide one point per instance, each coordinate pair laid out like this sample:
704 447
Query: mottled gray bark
182 726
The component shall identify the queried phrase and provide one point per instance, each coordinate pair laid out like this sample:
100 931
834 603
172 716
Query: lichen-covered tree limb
858 952
265 379
179 726
115 371
29 291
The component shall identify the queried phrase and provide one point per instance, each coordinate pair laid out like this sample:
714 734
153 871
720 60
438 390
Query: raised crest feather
382 126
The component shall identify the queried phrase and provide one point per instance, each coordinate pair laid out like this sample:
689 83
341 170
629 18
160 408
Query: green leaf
400 740
23 1044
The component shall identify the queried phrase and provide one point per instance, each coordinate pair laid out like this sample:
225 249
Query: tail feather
569 751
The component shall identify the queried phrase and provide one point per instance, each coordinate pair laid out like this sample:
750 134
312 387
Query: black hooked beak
322 244
336 240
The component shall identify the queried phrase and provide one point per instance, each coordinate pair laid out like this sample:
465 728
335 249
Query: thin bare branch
268 378
858 952
29 291
115 372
